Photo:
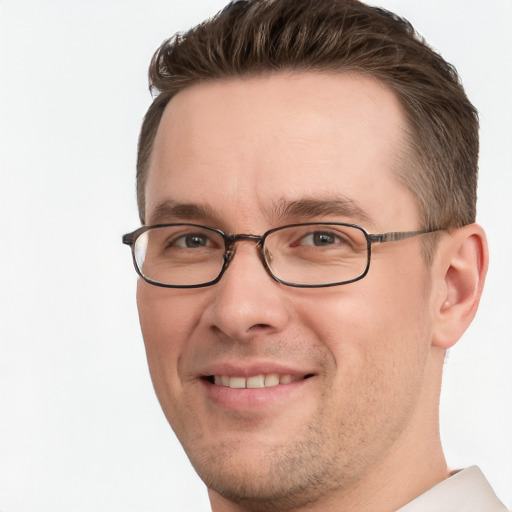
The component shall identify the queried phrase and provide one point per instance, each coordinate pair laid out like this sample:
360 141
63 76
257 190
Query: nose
247 301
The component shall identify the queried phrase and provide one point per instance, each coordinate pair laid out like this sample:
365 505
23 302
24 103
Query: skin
362 432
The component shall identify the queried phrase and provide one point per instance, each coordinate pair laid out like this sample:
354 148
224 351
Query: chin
270 477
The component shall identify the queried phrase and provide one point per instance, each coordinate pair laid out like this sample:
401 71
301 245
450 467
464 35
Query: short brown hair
253 37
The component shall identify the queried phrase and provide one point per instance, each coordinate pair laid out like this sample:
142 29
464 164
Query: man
307 189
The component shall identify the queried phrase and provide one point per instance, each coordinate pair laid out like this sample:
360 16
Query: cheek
167 319
379 322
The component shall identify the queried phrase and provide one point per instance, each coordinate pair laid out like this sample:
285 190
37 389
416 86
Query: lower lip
253 399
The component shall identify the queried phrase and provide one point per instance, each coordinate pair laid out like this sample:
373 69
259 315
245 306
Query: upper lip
237 369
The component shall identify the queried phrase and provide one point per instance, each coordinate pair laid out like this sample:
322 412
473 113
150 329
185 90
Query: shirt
465 491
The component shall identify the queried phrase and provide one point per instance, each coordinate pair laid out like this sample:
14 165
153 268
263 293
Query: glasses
309 255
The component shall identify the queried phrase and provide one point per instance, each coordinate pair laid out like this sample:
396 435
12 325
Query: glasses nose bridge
231 240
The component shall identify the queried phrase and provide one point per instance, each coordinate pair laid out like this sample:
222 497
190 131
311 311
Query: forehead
247 147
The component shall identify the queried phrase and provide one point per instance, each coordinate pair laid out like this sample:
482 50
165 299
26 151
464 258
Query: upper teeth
256 381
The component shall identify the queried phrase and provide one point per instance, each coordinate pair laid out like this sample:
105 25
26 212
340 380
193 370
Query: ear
459 271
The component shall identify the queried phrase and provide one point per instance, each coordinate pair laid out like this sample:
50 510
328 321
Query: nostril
259 328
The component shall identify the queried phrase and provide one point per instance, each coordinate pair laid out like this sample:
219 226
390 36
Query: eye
191 241
321 239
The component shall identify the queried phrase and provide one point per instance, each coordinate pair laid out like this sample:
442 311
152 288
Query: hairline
407 157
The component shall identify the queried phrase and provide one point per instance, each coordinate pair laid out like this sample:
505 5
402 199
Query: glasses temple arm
397 235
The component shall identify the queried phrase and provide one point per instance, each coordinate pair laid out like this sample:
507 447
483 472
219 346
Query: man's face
246 156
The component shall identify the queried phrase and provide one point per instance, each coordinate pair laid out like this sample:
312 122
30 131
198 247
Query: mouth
255 381
256 389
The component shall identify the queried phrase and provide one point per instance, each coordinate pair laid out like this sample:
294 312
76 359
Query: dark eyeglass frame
231 239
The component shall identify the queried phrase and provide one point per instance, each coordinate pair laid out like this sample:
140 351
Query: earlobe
459 272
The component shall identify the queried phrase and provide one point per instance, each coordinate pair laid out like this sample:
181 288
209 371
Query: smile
255 381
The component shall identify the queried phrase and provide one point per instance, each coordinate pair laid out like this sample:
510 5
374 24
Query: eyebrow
170 210
281 212
308 208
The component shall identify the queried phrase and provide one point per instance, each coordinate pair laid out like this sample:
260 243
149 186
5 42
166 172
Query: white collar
464 491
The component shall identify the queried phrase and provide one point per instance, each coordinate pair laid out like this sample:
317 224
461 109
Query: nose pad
228 256
266 256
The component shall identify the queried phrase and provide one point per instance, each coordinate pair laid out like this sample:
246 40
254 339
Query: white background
80 428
